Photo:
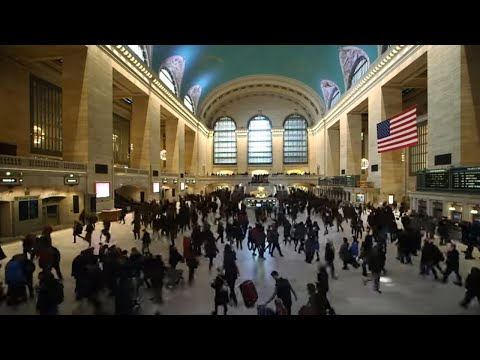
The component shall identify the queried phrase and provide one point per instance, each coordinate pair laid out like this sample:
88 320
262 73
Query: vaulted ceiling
202 68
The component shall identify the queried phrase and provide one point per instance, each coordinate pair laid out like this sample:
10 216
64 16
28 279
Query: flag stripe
398 132
399 140
396 136
403 115
403 121
404 127
400 146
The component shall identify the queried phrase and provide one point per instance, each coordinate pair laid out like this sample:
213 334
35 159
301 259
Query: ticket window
456 216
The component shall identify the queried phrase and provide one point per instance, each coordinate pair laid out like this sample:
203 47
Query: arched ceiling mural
208 66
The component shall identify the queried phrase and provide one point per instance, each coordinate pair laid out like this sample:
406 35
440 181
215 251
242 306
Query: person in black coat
472 287
174 257
50 294
322 280
330 257
430 258
221 292
231 271
453 264
375 263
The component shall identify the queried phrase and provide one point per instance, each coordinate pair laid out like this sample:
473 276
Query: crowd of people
119 274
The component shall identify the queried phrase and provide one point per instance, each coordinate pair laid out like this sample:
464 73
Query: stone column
145 138
453 104
242 141
190 151
351 143
171 130
87 95
277 150
333 152
384 102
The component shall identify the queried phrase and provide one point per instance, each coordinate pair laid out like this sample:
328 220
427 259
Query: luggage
249 293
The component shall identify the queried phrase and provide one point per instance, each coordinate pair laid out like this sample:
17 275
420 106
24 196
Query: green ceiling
212 65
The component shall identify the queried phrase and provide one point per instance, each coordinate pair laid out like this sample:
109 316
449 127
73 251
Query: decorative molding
136 68
377 71
264 84
349 56
176 65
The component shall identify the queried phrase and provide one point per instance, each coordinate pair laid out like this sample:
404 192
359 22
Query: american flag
398 132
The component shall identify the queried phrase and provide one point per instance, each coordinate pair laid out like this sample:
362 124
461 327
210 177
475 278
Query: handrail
39 163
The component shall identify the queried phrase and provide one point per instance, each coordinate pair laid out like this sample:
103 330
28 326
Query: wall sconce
474 211
451 208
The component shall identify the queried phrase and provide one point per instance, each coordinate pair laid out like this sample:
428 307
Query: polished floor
404 292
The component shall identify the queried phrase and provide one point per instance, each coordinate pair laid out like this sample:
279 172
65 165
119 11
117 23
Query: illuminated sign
102 189
71 180
11 181
156 187
163 155
364 164
182 186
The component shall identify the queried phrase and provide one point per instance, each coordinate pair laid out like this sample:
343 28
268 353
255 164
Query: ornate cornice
137 68
378 70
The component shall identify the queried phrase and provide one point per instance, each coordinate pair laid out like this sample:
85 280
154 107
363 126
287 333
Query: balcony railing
16 162
130 171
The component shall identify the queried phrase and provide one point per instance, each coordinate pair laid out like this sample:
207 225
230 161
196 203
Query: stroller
174 278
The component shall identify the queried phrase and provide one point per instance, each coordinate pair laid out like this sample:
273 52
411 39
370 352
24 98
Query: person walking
283 290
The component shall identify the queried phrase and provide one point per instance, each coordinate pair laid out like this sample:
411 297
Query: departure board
466 179
437 179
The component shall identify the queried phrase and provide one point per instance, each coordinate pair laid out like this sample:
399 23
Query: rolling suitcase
249 293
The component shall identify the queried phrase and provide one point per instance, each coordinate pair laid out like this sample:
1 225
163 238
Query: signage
364 164
102 189
182 186
437 179
10 181
156 187
71 180
163 155
467 179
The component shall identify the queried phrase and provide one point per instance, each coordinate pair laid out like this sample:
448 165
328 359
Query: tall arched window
295 140
359 71
187 101
260 140
225 141
335 97
140 51
167 78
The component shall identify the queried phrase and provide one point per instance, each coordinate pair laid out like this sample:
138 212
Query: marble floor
404 292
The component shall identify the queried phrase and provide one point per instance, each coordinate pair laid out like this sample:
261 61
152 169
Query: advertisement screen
156 187
102 189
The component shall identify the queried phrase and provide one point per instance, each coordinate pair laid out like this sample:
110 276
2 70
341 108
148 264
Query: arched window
225 141
260 140
167 78
295 140
359 71
335 97
140 51
187 101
